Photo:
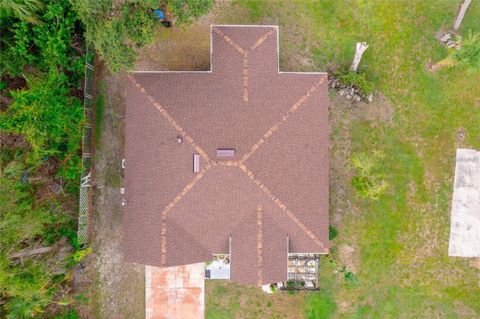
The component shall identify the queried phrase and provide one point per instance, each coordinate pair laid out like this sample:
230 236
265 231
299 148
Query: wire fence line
85 196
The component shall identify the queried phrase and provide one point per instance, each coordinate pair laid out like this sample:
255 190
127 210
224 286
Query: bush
47 46
112 33
109 42
26 287
351 278
332 232
186 10
139 23
50 120
358 80
469 52
367 183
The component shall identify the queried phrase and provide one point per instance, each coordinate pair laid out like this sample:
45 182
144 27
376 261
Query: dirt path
119 287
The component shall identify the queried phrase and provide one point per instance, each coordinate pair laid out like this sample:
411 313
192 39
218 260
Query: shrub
27 287
350 277
78 256
113 33
139 23
358 80
367 183
469 52
25 10
47 46
50 120
109 42
186 10
332 232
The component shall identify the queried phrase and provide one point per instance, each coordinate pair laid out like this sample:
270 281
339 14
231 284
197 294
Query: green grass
402 238
231 300
99 114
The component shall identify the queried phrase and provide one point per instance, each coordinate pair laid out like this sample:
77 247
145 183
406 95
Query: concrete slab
465 220
175 292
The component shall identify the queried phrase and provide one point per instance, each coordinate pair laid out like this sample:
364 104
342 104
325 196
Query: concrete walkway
465 223
175 292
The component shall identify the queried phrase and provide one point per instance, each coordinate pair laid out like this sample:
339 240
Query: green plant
109 41
332 232
187 10
350 277
49 46
320 305
139 22
358 80
367 182
114 33
469 52
69 314
26 287
25 10
78 256
99 115
50 120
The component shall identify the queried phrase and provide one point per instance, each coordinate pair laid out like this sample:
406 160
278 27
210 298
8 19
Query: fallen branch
31 252
360 48
461 14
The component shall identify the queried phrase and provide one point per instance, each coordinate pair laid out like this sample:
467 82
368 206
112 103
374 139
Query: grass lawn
400 242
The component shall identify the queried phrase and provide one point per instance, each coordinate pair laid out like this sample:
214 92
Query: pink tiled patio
175 292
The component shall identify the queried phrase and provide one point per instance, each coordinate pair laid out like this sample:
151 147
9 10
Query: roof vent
179 140
196 163
225 152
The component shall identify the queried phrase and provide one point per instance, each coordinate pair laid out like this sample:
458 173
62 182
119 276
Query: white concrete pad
465 220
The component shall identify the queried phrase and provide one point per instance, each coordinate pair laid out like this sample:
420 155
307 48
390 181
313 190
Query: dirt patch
12 141
463 311
475 263
379 109
119 287
182 48
348 257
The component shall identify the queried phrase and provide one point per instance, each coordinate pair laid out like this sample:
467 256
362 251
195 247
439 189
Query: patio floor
465 223
175 292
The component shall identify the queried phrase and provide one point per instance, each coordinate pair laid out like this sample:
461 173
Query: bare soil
118 289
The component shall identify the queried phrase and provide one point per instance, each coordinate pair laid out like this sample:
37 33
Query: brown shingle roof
276 184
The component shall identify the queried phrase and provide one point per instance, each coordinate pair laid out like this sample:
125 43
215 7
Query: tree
50 120
25 10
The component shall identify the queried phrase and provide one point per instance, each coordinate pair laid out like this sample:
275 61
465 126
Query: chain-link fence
85 202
